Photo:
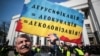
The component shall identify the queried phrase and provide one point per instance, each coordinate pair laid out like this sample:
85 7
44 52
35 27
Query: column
11 32
42 40
34 39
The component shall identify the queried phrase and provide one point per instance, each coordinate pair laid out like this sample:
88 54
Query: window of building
86 12
87 25
91 39
88 28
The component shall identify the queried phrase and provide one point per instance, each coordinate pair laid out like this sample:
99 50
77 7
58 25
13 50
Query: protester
87 50
55 47
23 46
37 48
79 51
66 51
61 47
4 49
43 52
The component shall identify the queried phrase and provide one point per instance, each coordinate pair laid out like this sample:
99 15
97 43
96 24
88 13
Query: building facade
91 26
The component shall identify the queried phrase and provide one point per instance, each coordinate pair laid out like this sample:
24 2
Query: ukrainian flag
41 17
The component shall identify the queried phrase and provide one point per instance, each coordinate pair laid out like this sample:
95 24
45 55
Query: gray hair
23 36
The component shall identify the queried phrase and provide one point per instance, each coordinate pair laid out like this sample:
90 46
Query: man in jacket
23 46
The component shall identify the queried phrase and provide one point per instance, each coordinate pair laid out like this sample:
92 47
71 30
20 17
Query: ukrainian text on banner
41 17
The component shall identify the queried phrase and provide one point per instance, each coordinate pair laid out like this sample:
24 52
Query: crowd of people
23 47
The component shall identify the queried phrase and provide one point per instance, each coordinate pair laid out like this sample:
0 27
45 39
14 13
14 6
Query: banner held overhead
41 17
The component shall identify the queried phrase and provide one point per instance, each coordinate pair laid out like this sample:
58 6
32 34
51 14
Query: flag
66 39
41 17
